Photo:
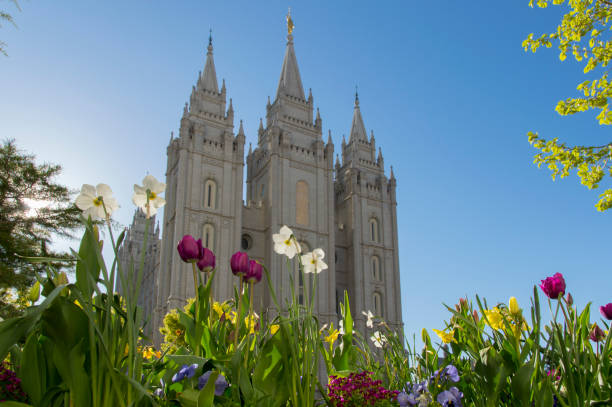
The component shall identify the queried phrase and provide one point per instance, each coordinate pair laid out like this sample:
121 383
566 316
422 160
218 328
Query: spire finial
210 38
290 25
356 96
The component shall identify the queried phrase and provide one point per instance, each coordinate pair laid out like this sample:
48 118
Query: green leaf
207 394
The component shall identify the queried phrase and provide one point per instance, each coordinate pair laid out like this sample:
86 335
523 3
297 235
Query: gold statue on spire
290 24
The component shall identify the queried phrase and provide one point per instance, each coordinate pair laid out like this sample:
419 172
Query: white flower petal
279 248
321 266
318 253
158 202
99 211
290 251
84 202
140 190
104 191
87 189
284 230
139 200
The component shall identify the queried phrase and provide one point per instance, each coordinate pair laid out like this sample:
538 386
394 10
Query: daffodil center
288 242
97 201
152 195
313 261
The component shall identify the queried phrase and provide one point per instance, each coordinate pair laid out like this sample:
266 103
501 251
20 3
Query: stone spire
290 82
241 129
209 78
358 131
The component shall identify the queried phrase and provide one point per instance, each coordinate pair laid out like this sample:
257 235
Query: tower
204 179
290 182
365 209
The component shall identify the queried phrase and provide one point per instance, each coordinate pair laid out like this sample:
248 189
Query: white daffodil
90 201
285 243
370 317
313 262
378 339
146 197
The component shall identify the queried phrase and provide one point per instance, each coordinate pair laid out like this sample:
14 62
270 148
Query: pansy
313 261
92 201
285 242
146 197
451 397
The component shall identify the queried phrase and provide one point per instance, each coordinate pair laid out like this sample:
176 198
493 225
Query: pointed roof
209 79
290 82
358 131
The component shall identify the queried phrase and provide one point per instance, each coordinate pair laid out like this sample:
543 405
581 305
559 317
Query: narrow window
376 269
208 240
374 232
378 311
210 194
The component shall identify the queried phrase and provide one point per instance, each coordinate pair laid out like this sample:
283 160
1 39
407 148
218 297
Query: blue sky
447 88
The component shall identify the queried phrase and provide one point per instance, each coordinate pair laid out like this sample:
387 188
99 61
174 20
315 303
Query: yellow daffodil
447 337
250 322
513 306
494 318
148 353
274 329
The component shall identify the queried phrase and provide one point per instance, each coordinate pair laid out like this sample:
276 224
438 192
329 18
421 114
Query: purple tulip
189 249
553 286
255 272
596 334
207 261
240 264
606 311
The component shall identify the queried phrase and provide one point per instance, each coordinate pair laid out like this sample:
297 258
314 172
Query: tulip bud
475 315
596 334
189 249
569 299
207 262
463 303
513 306
34 293
240 264
255 272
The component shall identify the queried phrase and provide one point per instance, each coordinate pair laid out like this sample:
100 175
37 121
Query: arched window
376 269
210 194
208 237
301 203
378 307
374 232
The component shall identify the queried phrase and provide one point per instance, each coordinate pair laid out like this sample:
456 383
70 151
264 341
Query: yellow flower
218 309
274 329
513 306
250 322
148 353
158 354
494 318
447 337
333 335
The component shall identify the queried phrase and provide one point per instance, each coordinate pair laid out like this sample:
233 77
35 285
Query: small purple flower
190 249
158 392
451 397
240 264
220 383
606 311
451 373
404 399
207 262
185 372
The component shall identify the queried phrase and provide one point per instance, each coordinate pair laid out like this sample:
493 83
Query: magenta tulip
255 272
189 249
240 264
596 334
207 262
553 286
606 311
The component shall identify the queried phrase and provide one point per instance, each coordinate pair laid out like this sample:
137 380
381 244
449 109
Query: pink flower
596 334
207 261
553 286
189 249
606 310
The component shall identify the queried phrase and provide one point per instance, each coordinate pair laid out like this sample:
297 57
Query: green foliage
26 233
5 16
583 32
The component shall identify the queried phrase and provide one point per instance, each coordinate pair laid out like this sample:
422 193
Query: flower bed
83 347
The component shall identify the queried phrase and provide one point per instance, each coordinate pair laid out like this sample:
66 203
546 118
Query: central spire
209 78
358 131
290 82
